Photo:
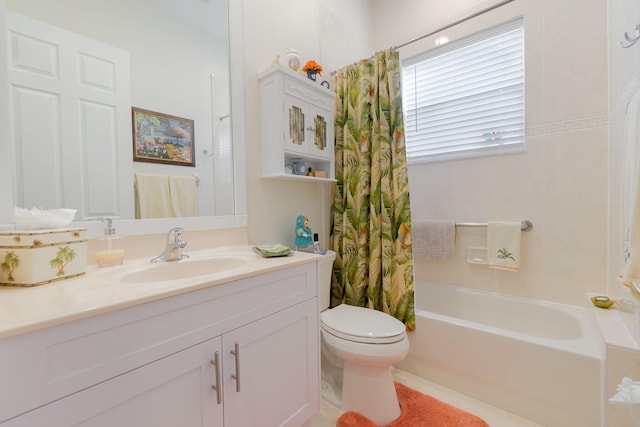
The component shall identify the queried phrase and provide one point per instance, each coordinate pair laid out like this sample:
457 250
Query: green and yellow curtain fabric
370 215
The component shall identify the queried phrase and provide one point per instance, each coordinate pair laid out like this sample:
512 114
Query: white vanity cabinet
296 125
153 364
172 391
278 378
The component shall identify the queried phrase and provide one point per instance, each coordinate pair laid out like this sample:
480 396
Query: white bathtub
539 360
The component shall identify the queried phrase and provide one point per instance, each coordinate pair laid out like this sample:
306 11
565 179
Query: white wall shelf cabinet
296 124
151 365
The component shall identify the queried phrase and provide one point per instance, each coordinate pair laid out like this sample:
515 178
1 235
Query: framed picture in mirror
161 138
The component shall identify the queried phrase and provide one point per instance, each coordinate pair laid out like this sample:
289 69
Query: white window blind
466 98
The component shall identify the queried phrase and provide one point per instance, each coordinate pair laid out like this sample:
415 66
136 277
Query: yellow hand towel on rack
152 196
182 194
503 245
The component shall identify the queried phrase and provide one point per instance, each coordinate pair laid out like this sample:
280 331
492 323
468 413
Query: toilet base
370 391
331 380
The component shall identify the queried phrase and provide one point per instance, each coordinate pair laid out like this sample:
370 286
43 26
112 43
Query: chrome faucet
173 250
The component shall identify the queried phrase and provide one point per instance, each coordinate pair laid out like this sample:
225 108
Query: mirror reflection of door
70 103
178 65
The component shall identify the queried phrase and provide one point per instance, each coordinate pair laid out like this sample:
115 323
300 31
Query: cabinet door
276 369
295 123
308 128
320 132
173 391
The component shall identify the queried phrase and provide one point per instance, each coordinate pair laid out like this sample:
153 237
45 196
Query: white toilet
359 346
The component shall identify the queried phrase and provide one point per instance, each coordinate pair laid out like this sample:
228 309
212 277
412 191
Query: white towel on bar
433 239
503 245
152 196
182 194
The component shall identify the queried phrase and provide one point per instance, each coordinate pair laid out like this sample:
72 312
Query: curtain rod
459 21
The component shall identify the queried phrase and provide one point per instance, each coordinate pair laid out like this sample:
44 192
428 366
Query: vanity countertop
102 290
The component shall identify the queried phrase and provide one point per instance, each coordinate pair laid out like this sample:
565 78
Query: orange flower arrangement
312 65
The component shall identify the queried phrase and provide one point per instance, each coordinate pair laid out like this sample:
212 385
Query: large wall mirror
172 57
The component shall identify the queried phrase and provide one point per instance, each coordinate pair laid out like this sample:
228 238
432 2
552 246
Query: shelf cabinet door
296 122
278 368
173 391
308 129
320 132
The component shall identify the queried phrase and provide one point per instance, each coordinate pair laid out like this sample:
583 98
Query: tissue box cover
36 257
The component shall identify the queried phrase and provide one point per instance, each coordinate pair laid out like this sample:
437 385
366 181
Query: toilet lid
362 325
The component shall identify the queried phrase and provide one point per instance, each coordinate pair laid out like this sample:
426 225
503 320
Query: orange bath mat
418 410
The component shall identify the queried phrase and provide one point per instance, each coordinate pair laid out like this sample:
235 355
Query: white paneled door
70 106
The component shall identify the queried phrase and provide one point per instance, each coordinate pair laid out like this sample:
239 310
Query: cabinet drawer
51 363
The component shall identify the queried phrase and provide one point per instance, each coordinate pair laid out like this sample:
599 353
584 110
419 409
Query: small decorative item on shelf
293 60
312 68
309 172
303 234
299 168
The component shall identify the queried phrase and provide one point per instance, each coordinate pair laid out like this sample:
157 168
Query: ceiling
207 15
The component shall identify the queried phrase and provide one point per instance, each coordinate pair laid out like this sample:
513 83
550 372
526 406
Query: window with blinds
466 98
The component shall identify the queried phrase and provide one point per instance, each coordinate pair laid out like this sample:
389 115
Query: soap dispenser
110 251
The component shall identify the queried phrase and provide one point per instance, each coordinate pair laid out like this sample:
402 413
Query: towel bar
526 224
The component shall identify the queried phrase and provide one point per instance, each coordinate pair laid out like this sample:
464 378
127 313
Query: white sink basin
173 270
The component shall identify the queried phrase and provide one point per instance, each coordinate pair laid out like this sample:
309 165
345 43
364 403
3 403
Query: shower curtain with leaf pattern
370 215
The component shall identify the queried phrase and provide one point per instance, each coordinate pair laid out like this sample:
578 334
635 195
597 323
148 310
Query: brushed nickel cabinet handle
236 376
217 387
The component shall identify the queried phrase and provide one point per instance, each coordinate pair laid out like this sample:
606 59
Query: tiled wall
624 84
620 363
559 183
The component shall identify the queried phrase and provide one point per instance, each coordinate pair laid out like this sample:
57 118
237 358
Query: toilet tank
325 267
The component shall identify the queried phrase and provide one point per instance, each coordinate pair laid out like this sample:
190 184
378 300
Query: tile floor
329 414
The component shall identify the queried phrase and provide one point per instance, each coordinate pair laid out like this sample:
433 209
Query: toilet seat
362 325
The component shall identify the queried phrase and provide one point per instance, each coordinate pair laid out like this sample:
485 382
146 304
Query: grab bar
526 224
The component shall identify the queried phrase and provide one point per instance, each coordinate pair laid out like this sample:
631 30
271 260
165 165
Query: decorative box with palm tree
36 257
